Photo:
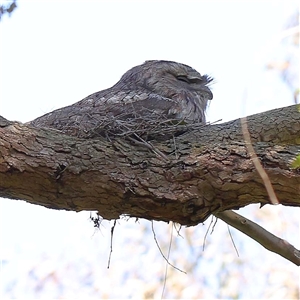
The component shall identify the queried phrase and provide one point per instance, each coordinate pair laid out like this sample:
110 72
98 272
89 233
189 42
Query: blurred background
54 53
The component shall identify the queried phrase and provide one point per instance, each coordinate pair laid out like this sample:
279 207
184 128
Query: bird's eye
183 78
189 79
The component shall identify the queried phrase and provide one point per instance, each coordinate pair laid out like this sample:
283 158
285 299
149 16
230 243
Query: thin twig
148 145
233 243
166 270
154 236
206 233
111 240
178 230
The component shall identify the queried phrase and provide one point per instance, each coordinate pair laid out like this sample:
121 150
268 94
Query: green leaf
296 163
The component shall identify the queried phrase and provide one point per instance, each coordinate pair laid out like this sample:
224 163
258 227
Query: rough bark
184 180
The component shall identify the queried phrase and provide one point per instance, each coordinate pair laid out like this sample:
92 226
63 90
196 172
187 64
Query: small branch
262 236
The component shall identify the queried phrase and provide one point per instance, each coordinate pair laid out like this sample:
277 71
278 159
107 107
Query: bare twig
206 233
233 243
262 236
111 240
165 258
166 270
149 146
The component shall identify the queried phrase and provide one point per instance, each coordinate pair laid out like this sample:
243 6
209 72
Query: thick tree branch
206 170
278 126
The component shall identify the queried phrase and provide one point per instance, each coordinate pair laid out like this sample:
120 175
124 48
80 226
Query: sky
54 53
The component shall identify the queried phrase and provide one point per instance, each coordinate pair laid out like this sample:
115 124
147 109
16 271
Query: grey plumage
147 97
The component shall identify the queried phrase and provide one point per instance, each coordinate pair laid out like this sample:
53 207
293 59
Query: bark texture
185 180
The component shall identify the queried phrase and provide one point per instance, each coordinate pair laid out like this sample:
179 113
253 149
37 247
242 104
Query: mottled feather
147 96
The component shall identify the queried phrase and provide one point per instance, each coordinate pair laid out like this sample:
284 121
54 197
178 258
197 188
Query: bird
148 98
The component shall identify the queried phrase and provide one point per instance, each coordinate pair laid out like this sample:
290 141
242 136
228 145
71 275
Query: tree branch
262 236
208 169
